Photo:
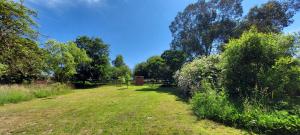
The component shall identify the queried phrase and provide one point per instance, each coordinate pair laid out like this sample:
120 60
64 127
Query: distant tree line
161 67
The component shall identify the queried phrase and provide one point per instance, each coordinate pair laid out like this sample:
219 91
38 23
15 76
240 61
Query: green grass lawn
108 110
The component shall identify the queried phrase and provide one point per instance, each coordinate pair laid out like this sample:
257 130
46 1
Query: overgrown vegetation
261 66
252 79
18 93
215 105
190 76
238 70
253 84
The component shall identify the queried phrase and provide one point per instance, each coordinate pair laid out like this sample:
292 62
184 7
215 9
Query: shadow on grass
169 90
87 85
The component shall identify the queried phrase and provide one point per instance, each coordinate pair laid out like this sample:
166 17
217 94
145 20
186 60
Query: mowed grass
108 110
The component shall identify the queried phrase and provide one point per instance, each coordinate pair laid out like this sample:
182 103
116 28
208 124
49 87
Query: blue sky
137 29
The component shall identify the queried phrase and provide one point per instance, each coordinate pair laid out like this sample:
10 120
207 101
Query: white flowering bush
190 76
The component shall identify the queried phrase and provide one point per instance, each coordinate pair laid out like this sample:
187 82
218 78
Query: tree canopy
98 51
21 58
63 58
119 61
272 16
204 25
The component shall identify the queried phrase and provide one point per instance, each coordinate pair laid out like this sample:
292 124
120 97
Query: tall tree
63 58
272 16
98 51
156 68
119 61
120 69
20 53
141 70
204 25
174 60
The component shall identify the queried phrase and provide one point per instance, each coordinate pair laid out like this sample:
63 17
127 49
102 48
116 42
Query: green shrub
190 76
215 105
284 78
260 65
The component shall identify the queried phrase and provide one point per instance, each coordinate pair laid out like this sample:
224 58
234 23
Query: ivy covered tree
20 58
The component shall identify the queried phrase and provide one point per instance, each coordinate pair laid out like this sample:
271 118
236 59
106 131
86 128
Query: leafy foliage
3 69
189 78
119 61
63 58
98 51
154 68
253 62
174 60
141 70
253 84
20 53
205 25
161 67
272 16
217 106
120 72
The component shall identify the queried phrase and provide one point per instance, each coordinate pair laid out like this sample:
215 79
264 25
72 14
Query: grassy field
108 110
19 93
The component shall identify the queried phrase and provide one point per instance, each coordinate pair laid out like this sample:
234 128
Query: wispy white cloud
67 3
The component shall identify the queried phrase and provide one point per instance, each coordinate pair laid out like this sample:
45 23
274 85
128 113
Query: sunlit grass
18 93
108 110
